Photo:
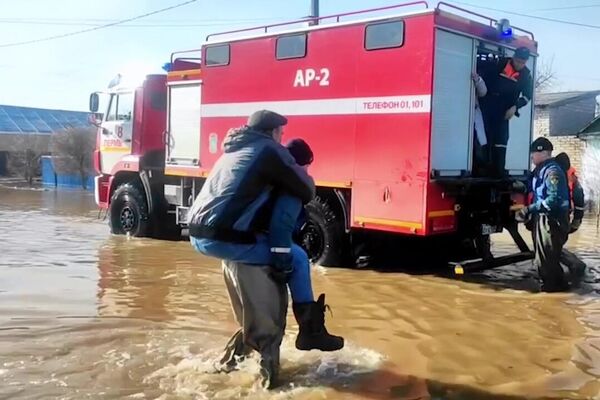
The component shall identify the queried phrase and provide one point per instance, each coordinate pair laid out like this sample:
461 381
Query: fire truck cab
386 103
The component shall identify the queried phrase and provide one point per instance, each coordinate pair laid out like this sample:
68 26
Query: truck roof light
504 29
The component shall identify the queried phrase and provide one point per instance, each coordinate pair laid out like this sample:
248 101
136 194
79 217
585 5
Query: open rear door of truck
452 107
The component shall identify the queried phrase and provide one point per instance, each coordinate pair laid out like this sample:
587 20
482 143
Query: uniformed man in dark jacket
510 87
549 212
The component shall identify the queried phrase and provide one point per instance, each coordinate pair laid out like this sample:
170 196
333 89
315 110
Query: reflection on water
87 315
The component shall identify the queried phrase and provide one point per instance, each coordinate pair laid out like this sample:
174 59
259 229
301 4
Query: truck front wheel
323 236
129 211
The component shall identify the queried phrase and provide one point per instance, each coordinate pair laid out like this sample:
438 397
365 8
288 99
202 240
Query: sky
61 73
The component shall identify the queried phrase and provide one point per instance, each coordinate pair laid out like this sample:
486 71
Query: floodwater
84 314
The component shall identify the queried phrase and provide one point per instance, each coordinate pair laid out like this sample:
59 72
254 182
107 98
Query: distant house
561 117
26 128
591 132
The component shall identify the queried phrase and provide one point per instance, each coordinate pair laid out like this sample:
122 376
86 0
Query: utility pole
314 11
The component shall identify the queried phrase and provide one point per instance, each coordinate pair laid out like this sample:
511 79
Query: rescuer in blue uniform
510 88
549 214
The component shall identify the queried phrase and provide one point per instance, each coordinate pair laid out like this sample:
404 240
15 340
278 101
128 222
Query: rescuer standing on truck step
510 88
549 212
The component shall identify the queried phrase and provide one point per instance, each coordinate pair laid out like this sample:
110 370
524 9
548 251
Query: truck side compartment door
183 124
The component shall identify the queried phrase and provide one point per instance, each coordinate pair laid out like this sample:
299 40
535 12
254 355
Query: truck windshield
120 108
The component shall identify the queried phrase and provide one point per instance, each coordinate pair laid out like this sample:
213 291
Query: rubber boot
235 352
269 373
313 334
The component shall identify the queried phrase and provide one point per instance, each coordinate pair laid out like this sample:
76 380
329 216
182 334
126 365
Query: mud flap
260 307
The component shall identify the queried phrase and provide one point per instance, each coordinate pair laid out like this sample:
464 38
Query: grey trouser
260 308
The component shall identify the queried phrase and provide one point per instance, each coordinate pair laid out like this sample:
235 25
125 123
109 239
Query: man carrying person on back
254 167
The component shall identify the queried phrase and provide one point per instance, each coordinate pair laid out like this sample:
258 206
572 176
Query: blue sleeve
534 208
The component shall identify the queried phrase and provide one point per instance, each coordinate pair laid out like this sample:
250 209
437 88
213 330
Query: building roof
560 98
592 129
14 119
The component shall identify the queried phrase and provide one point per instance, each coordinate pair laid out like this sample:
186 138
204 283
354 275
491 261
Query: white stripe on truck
341 106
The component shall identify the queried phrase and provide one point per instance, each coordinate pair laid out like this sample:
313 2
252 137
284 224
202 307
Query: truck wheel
129 211
323 235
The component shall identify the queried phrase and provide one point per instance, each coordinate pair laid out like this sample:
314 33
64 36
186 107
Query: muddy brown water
84 314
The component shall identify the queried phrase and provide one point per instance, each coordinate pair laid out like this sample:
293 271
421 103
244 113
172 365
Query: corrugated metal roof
557 99
592 129
14 119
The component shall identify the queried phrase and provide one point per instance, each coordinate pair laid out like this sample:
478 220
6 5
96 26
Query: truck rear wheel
129 211
323 236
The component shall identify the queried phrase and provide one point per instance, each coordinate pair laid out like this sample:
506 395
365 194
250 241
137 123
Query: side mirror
94 102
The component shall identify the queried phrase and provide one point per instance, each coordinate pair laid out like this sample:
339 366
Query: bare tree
545 76
26 149
591 176
72 152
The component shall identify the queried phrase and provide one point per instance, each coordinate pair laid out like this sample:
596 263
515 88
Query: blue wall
51 178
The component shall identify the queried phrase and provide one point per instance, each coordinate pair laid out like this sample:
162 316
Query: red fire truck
385 101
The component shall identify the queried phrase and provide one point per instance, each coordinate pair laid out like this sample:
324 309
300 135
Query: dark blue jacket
550 190
241 181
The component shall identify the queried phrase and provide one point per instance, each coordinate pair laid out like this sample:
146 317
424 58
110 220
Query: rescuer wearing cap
549 214
223 224
510 87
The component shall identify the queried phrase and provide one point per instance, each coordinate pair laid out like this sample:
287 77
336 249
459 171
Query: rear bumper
482 206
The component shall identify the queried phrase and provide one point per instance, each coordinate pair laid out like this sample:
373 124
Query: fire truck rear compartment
453 105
